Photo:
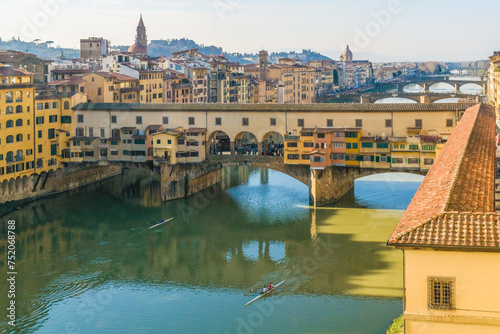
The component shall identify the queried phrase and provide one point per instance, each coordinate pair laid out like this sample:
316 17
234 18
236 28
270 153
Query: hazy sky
394 29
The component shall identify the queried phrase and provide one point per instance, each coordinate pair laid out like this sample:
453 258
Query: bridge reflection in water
259 229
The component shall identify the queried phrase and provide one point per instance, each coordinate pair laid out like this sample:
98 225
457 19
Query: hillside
156 48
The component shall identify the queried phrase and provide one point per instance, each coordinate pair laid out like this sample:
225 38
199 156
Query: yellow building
352 142
449 236
173 146
54 128
17 139
298 147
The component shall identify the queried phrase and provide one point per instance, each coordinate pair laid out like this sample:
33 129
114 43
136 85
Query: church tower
141 37
141 40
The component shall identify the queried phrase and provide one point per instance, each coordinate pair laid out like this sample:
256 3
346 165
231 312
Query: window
418 123
441 293
382 145
55 105
52 133
367 145
40 148
52 118
449 123
79 132
9 124
191 120
308 144
79 118
292 144
338 157
273 122
91 132
388 123
9 110
300 122
414 147
66 119
293 156
368 158
412 161
348 146
10 139
19 109
218 121
359 123
113 119
138 119
66 105
99 91
351 135
338 145
338 134
329 123
321 135
317 159
397 160
40 135
103 133
9 97
428 147
305 157
428 162
245 121
19 137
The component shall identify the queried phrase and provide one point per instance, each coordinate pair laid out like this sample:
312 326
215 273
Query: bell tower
141 37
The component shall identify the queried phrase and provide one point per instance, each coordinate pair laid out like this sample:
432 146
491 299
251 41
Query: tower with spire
141 40
141 37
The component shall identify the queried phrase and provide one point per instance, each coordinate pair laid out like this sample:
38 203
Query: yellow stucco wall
477 293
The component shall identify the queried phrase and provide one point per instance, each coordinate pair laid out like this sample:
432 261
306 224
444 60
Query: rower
264 290
271 286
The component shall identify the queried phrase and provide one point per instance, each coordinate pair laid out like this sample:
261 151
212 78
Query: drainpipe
404 289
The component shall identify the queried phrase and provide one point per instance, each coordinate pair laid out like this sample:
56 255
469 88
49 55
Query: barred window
441 293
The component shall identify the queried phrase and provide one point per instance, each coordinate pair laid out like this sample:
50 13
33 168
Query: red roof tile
461 180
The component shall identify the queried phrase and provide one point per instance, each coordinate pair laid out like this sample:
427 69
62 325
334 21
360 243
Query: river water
88 262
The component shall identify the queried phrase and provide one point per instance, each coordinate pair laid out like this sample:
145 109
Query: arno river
89 263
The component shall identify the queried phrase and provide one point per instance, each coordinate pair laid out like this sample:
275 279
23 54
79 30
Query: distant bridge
417 97
427 82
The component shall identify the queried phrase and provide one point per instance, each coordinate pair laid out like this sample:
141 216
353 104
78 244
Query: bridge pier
457 88
425 99
330 184
399 88
365 99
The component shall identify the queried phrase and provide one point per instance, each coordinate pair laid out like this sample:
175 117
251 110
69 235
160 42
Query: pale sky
402 29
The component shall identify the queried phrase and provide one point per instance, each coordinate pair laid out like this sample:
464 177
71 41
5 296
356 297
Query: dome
138 48
347 52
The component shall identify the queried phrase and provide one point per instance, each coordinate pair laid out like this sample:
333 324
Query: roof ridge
462 155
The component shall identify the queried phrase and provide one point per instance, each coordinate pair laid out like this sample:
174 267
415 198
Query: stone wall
331 184
53 182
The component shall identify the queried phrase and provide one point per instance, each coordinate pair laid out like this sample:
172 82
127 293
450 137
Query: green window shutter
377 159
372 158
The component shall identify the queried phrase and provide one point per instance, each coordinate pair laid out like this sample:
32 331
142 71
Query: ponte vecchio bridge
376 122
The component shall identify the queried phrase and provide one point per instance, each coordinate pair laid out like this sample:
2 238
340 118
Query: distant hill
168 47
156 48
41 49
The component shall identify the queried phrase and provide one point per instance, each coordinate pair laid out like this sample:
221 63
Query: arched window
10 139
19 137
19 96
19 122
10 156
28 94
19 109
9 110
19 155
66 105
39 163
9 97
9 124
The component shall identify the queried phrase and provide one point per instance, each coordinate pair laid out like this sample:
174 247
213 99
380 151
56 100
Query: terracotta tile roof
196 130
315 107
9 71
461 180
430 139
368 139
453 229
328 130
154 127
